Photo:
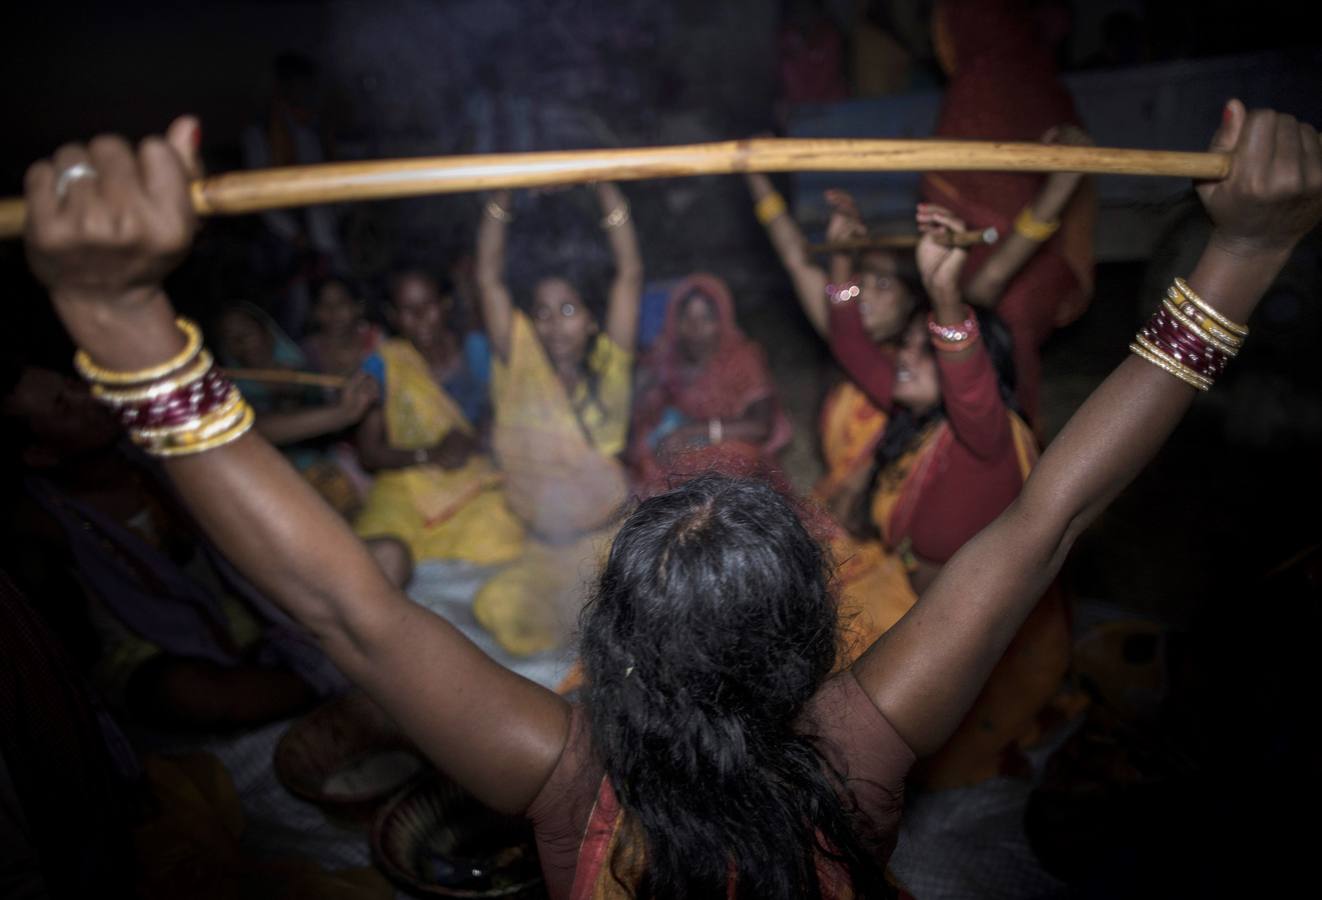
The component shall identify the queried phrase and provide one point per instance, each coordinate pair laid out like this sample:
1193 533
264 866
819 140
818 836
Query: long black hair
712 626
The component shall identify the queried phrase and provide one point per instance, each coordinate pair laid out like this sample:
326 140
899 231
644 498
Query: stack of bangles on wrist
177 408
1188 338
954 338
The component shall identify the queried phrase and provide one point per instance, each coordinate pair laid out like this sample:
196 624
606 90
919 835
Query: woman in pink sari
706 394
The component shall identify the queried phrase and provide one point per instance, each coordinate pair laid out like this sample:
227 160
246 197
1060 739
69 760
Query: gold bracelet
226 410
195 372
236 428
770 208
616 217
1220 337
498 212
1240 331
1161 361
99 375
1030 226
199 428
1153 347
1187 321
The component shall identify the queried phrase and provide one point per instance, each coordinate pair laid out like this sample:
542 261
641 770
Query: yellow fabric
562 479
559 453
892 483
439 513
532 605
191 845
873 585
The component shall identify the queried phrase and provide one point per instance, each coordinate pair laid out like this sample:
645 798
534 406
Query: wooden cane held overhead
244 192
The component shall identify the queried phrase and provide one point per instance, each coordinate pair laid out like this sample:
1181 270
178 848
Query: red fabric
870 366
735 378
1004 86
572 825
973 473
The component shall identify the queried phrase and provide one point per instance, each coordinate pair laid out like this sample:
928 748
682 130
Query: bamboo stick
903 241
286 376
234 193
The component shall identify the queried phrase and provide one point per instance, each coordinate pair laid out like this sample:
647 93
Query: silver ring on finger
70 175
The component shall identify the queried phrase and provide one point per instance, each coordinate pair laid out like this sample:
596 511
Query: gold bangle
1240 331
770 208
99 375
616 217
1219 335
1179 315
238 427
1030 226
194 372
1153 347
199 429
1188 376
224 411
498 212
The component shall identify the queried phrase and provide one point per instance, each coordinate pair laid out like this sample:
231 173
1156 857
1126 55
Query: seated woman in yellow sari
434 493
561 388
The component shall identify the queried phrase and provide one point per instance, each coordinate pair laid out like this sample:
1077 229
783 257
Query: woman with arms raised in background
561 388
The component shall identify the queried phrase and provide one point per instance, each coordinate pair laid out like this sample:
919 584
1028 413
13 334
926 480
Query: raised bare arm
1014 250
497 304
808 278
626 290
103 250
925 672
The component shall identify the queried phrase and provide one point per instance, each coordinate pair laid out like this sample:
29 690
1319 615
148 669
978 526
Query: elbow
1053 525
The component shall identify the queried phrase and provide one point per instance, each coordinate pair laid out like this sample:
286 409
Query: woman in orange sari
1004 87
704 387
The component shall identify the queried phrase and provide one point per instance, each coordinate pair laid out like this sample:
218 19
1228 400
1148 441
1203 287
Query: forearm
809 280
304 424
1122 425
1013 251
622 237
489 273
863 361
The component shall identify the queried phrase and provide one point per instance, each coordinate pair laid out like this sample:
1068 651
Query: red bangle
1184 345
185 402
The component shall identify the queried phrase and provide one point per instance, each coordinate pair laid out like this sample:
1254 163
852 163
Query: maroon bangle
186 402
1204 357
1185 346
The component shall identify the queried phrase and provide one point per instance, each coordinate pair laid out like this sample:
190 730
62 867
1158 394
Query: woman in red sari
1004 87
705 387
